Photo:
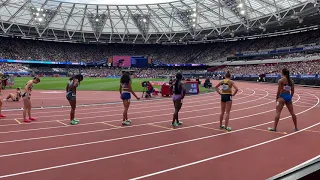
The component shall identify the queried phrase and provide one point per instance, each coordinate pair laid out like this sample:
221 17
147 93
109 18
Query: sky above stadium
118 2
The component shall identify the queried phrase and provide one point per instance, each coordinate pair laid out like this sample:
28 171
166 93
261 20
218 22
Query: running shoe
26 120
126 122
228 129
2 116
222 127
271 129
180 123
32 119
296 129
74 122
175 125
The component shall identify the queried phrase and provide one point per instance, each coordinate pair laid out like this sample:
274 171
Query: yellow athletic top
226 86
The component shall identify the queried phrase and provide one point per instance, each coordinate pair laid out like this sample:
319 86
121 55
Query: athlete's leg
177 107
293 115
1 115
279 107
73 104
228 109
223 109
26 107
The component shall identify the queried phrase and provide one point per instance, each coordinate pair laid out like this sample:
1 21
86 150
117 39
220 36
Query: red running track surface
100 148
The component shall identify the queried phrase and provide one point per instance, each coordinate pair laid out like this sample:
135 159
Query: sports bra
226 89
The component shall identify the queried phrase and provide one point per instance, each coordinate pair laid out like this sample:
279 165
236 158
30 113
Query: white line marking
100 130
112 107
100 104
162 146
139 112
221 155
131 118
139 108
127 137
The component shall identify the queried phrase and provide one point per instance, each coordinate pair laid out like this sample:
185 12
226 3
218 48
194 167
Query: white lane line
142 117
133 136
134 108
101 130
148 149
102 104
108 115
143 104
225 154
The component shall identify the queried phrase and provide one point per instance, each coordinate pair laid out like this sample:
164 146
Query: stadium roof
189 18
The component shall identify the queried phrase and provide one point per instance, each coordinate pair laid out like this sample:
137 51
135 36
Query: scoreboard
191 87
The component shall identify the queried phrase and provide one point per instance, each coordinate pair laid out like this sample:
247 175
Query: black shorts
71 96
226 97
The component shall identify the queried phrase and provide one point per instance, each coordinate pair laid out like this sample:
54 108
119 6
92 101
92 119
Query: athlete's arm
235 87
67 87
130 90
120 89
183 90
217 87
279 89
75 84
27 87
292 88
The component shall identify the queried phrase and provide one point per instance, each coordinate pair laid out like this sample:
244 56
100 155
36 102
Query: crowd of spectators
296 68
20 49
8 67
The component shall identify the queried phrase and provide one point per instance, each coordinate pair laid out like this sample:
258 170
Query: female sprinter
178 95
71 89
14 97
1 115
226 99
284 97
125 90
26 99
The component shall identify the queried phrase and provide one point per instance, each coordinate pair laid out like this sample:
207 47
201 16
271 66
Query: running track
99 148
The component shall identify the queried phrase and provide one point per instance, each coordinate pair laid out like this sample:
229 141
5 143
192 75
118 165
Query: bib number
225 87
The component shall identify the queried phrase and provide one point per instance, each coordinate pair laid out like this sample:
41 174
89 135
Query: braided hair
178 80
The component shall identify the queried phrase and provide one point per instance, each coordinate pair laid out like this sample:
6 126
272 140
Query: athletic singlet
226 86
18 94
71 87
125 87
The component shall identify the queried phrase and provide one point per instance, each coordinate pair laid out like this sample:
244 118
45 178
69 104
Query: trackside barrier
309 170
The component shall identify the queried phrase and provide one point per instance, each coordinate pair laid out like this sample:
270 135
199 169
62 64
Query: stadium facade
184 21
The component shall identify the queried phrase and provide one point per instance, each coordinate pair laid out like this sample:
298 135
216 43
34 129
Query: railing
309 170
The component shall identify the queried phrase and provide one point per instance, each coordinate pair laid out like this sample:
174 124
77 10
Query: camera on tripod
144 84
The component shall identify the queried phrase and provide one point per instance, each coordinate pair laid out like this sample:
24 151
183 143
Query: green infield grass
93 84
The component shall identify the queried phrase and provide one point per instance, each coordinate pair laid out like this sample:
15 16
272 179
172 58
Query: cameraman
150 89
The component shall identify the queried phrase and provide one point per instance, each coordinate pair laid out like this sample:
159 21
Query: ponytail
286 73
